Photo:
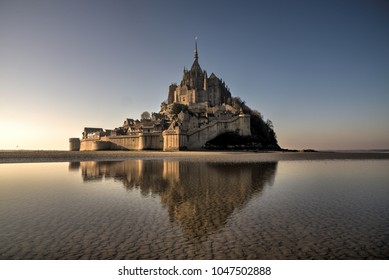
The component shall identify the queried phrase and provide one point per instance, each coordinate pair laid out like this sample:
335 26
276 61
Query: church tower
196 87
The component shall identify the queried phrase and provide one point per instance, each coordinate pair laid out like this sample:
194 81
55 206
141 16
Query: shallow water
156 209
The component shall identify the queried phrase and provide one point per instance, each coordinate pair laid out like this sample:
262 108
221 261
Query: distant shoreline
212 156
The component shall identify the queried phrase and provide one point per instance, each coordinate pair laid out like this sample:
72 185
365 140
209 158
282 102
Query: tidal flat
220 156
194 205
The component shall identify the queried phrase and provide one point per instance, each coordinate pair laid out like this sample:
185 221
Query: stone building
206 113
196 87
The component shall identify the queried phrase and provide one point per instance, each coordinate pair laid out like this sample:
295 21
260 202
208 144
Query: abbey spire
196 66
196 54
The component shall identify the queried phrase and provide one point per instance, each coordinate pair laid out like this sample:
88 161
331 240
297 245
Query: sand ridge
216 156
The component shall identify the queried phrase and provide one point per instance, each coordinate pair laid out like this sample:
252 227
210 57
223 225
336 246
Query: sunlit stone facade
196 87
208 114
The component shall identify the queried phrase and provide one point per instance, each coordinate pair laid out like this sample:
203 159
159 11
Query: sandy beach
219 156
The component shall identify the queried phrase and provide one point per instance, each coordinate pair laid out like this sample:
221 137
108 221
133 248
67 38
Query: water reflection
149 209
74 166
199 196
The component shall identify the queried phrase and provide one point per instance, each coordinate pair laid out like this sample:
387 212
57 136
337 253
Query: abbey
196 111
196 87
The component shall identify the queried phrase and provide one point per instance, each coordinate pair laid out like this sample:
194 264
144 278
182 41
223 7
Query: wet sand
220 156
151 209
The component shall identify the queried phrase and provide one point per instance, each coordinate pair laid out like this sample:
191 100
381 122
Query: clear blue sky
318 69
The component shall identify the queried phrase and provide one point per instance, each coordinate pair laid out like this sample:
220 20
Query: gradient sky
318 69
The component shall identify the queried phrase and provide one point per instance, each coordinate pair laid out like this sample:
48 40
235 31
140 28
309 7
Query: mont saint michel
200 112
127 141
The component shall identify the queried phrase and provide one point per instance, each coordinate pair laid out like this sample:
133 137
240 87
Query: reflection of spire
196 54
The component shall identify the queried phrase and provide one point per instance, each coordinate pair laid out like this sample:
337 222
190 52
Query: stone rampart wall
152 141
198 137
175 140
130 142
94 145
170 140
149 141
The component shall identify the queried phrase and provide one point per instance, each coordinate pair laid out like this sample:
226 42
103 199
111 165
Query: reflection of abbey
194 194
197 110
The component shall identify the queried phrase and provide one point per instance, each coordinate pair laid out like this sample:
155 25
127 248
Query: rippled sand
171 209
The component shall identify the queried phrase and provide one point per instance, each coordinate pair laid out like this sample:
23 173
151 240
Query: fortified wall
175 139
137 142
172 139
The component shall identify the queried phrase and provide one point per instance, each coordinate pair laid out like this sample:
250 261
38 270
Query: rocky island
199 113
